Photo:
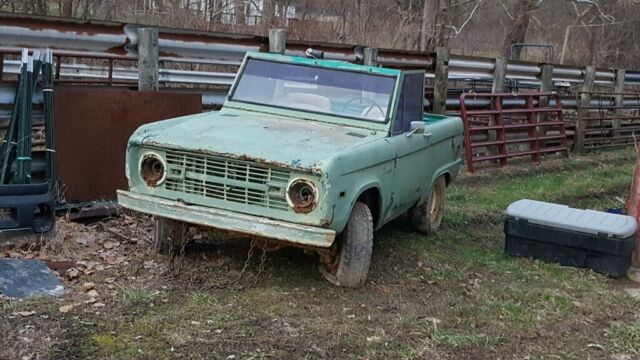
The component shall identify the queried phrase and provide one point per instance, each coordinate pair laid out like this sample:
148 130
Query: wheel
350 265
428 216
168 235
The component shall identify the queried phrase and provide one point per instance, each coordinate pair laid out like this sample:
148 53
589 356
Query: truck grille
226 179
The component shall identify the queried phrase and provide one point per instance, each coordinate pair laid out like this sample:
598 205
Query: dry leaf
92 293
66 308
72 274
24 313
98 305
88 286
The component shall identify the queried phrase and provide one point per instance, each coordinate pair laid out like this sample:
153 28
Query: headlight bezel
297 193
148 172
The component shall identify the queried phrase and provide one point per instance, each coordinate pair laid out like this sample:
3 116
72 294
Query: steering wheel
367 110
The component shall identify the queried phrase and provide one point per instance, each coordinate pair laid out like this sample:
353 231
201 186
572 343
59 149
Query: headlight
302 195
152 169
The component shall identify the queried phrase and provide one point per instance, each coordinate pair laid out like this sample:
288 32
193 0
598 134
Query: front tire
351 264
427 217
168 235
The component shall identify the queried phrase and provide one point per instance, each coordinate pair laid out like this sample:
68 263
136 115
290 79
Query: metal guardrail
73 38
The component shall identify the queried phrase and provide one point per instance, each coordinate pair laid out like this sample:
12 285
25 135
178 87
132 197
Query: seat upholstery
307 101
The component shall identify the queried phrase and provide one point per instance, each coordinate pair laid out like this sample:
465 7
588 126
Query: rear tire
168 235
354 254
427 217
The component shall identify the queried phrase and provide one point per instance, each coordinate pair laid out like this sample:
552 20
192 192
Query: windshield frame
390 106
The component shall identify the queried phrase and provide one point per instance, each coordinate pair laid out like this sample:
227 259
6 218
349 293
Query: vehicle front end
245 195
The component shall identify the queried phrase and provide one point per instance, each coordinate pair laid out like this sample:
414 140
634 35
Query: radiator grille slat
227 179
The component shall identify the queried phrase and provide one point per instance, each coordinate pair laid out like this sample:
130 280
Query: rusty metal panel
535 128
92 129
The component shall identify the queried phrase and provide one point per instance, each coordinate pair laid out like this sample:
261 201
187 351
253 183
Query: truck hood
284 141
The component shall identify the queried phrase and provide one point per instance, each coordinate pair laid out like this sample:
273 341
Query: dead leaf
92 293
90 301
72 274
66 308
98 305
24 313
88 286
109 245
595 346
634 293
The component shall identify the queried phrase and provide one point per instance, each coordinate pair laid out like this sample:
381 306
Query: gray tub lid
564 217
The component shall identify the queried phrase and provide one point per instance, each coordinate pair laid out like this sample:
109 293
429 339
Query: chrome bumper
228 220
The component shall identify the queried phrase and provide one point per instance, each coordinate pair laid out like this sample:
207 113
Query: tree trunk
239 12
429 13
67 8
518 31
594 46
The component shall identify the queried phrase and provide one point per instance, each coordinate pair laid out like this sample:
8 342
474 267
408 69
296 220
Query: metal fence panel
495 135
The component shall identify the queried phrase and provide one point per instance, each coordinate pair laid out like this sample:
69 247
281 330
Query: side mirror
417 127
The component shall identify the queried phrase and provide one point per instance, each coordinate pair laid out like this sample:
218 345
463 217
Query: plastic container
556 233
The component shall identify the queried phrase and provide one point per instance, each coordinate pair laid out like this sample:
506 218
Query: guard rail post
148 60
277 41
584 102
440 81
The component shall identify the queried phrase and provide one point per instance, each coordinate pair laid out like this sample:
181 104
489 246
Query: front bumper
228 220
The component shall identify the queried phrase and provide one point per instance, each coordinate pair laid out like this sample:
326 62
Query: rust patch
302 196
152 170
93 126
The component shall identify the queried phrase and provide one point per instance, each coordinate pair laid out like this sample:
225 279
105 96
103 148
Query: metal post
277 41
9 143
584 101
23 158
1 66
49 119
148 60
370 57
440 82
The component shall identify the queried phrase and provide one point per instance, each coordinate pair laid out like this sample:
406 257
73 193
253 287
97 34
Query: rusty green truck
305 152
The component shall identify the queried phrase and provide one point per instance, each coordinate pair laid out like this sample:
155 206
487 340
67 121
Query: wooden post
499 75
546 78
546 85
584 100
148 60
441 81
277 41
619 99
370 57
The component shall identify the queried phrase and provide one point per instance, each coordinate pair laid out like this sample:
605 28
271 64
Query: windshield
328 91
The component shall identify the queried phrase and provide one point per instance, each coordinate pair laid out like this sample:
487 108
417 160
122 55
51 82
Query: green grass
626 338
138 296
449 339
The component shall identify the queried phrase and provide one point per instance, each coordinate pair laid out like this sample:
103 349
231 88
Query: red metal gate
519 124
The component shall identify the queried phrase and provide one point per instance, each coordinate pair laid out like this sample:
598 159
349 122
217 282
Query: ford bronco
305 152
